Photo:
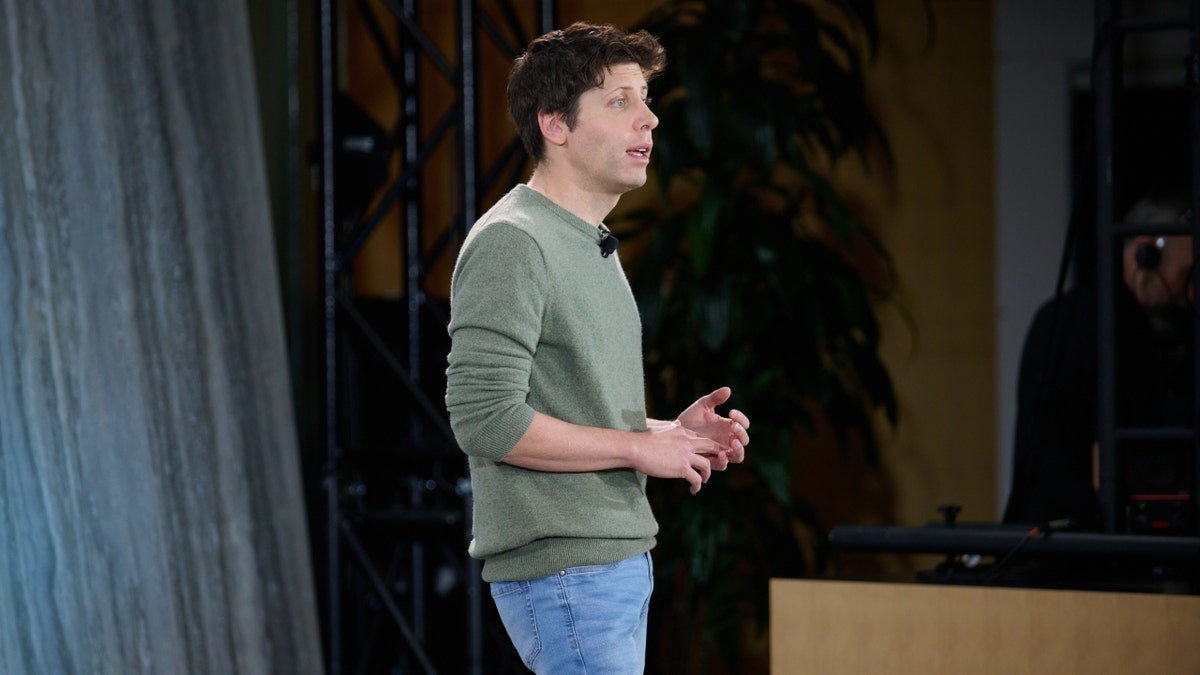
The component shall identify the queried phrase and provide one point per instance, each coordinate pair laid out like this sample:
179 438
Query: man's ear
554 128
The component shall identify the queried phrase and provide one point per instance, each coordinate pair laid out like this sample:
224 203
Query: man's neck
592 207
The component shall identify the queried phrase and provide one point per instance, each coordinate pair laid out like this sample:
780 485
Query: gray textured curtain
151 510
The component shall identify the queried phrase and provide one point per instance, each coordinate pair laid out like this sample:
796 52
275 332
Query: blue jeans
588 619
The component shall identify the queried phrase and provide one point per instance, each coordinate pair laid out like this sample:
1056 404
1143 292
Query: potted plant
754 272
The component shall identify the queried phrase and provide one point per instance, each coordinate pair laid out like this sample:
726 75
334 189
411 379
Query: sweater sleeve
496 309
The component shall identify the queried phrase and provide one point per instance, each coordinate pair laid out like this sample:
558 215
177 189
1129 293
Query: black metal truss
1112 28
398 504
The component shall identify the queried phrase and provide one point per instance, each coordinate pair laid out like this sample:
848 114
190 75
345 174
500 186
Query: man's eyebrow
625 87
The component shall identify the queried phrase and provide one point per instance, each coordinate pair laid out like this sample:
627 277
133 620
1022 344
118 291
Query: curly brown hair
558 67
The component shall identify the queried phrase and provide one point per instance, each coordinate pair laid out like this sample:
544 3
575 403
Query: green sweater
540 321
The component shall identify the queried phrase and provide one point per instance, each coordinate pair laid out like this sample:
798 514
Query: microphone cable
1042 529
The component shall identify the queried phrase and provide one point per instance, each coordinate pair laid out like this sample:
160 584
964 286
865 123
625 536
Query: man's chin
635 183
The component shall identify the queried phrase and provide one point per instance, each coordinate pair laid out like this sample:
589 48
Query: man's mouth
642 151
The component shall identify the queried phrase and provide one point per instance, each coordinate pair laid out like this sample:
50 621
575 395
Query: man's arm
666 450
690 447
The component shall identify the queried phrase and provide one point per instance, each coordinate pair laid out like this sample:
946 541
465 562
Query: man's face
608 150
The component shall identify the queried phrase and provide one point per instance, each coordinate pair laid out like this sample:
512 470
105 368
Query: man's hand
669 450
731 434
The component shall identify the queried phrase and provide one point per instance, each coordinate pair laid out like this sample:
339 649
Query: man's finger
719 396
720 461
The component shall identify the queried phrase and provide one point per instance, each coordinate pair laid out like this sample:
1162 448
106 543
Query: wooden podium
837 628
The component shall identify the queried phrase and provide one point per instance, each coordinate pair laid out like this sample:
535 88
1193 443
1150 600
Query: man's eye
620 103
647 100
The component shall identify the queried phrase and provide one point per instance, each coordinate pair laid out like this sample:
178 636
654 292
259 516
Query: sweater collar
574 221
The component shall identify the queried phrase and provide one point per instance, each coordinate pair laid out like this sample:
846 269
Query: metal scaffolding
1117 442
401 593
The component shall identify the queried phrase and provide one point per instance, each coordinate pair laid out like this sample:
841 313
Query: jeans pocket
514 603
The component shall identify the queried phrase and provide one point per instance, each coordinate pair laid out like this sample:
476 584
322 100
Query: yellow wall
932 90
937 108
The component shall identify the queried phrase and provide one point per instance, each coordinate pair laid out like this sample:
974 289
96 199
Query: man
545 385
1055 472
